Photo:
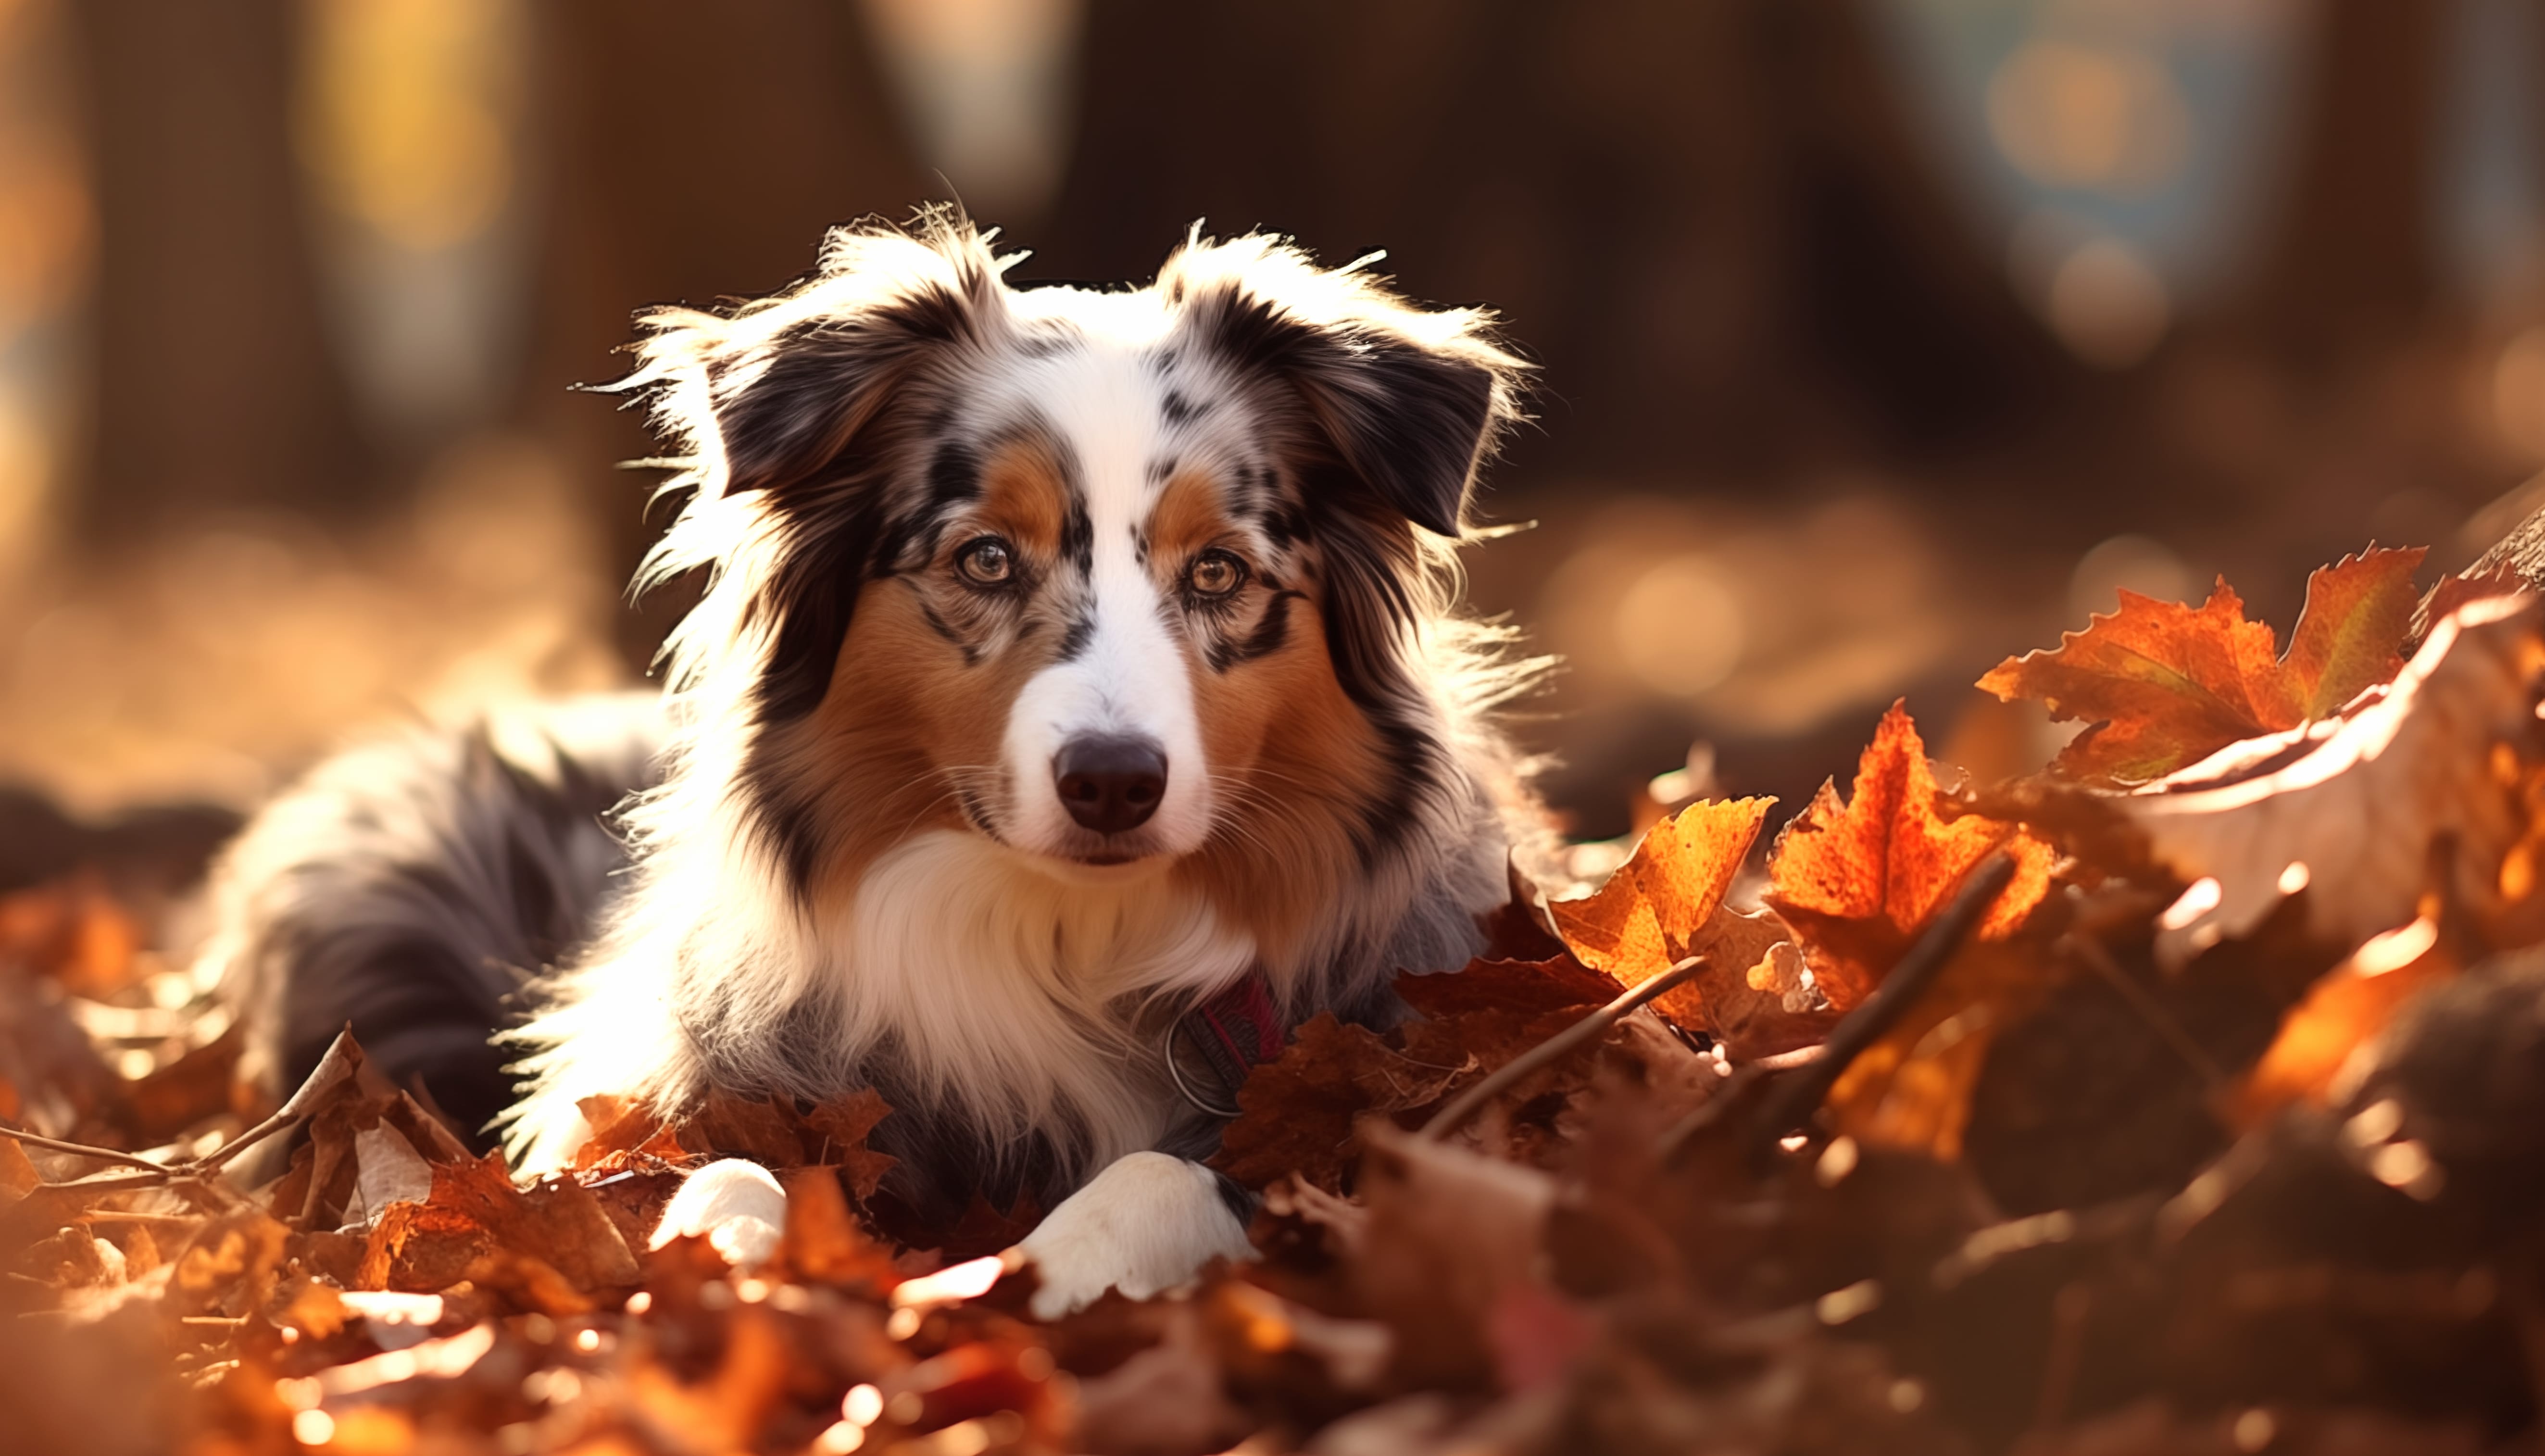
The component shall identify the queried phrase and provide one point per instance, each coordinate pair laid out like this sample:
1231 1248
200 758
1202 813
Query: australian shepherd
1073 706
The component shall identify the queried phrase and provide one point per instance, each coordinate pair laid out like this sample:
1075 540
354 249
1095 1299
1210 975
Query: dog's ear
774 395
795 413
1410 401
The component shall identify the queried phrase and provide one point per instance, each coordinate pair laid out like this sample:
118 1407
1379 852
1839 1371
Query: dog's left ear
1410 401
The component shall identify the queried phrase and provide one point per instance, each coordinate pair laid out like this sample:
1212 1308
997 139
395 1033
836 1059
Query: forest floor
2189 1095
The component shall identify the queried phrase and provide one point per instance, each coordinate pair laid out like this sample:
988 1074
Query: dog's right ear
775 394
793 413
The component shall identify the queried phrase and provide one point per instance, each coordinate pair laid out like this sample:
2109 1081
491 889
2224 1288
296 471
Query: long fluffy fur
1012 1015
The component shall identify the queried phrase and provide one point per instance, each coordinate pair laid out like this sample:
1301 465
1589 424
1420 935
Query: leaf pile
2186 1096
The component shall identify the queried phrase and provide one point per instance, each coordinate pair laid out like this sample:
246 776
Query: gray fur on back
411 885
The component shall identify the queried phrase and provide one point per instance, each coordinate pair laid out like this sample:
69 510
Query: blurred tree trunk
695 154
2349 259
215 386
1711 223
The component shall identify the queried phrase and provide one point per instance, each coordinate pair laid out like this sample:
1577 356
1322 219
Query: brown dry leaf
1755 996
777 1133
1450 1237
1297 1110
479 1226
2352 812
843 1124
2453 593
624 1135
824 1239
2167 684
762 1130
1858 881
230 1267
1527 986
1912 1088
196 1085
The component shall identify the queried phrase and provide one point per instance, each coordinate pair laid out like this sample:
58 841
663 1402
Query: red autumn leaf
1527 986
1859 879
1297 1110
2167 684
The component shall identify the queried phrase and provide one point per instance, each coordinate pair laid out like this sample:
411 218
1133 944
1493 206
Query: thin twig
1795 1101
1555 1047
83 1150
338 1064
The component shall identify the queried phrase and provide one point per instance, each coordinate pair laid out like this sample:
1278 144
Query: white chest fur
1008 993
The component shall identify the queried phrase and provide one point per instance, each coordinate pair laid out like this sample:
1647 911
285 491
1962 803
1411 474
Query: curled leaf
2165 684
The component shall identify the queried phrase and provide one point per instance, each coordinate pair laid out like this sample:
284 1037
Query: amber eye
1215 574
986 562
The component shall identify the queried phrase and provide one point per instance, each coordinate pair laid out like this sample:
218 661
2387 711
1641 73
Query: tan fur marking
1293 759
1186 518
1021 497
907 720
1291 756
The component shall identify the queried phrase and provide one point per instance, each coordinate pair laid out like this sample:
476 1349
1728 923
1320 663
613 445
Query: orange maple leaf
1666 903
1858 882
1860 878
2167 684
1642 921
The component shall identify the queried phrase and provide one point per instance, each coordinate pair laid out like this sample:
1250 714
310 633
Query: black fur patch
1268 638
1074 639
1410 422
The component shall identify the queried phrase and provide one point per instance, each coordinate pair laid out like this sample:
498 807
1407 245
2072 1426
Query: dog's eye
1215 574
987 562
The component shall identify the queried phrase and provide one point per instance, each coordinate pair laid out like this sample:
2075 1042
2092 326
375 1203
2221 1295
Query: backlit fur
856 871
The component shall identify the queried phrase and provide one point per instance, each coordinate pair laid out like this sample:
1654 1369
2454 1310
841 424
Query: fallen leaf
1511 986
625 1135
823 1238
2165 684
843 1124
2351 812
1296 1112
1859 878
1450 1237
1666 903
1641 921
477 1225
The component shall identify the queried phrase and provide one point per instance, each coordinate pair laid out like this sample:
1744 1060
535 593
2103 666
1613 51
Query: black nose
1111 784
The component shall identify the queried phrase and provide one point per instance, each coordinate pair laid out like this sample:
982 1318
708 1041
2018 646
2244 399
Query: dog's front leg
734 1205
1147 1223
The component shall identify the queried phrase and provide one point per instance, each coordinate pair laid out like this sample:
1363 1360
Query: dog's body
1067 659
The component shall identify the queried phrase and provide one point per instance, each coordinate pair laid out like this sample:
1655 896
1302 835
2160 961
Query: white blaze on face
1129 677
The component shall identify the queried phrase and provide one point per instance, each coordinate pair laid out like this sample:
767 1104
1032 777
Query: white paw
734 1205
1147 1223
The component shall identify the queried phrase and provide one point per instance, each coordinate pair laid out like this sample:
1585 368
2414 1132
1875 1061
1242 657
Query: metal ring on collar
1176 1074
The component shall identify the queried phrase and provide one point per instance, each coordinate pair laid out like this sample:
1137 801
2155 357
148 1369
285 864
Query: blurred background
1879 338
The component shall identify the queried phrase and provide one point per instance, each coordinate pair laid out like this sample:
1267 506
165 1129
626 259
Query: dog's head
1118 580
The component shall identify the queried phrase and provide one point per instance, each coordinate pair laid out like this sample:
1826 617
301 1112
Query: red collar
1230 1035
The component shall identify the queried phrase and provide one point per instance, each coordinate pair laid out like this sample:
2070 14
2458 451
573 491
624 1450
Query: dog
1074 705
